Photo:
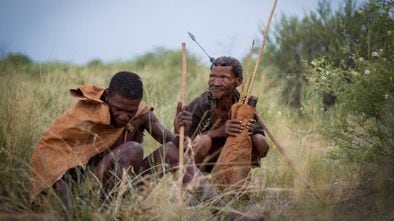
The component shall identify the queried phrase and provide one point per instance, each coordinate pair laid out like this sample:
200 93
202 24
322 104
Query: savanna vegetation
325 89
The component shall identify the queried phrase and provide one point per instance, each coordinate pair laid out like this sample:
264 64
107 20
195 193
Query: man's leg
127 156
259 148
169 154
63 191
166 154
193 179
64 186
202 145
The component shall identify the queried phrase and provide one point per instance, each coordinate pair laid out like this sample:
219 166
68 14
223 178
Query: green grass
33 96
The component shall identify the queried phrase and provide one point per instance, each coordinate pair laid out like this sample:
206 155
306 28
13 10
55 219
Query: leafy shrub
17 59
362 82
362 123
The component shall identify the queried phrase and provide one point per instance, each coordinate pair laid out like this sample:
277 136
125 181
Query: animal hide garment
234 163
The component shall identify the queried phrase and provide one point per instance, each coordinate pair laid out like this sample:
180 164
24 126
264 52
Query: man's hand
252 127
182 118
233 127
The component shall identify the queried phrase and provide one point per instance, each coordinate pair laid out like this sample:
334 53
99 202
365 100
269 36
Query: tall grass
30 100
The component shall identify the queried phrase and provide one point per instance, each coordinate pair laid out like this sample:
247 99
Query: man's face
222 81
121 109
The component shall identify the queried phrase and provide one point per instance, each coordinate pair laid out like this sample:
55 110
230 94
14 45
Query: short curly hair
127 84
229 61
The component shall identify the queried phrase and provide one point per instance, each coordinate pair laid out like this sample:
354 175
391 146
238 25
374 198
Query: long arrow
211 59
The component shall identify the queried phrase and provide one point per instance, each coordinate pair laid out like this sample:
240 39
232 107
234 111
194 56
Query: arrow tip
191 36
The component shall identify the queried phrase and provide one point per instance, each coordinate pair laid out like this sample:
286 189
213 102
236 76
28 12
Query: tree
362 125
334 35
17 59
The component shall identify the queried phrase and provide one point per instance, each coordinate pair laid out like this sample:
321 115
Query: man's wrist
176 140
212 134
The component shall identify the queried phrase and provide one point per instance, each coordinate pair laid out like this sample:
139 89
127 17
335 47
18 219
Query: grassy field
33 95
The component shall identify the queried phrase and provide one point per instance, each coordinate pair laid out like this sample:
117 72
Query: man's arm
231 127
183 118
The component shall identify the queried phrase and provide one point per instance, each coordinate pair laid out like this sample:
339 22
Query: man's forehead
222 69
119 101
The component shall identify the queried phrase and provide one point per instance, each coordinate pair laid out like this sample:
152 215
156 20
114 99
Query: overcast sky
78 31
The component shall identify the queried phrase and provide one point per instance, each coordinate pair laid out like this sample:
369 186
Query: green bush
17 59
362 122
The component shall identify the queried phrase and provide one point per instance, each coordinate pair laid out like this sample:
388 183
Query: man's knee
260 145
202 145
172 153
129 154
259 149
131 150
